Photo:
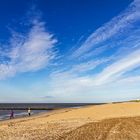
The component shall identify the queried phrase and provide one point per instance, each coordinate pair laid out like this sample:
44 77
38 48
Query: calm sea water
20 109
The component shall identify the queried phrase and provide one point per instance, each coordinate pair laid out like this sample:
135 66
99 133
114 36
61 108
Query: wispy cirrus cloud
119 67
113 72
115 26
102 67
80 68
108 80
121 56
28 52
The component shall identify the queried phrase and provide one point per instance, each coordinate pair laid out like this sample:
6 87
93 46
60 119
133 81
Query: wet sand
100 122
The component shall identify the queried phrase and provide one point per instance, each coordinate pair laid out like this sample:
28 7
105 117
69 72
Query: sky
69 51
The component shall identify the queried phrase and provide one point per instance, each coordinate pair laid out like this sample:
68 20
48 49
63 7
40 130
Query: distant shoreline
41 106
40 114
21 114
40 111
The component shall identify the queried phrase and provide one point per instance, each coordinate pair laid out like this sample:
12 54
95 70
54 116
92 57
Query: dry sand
119 121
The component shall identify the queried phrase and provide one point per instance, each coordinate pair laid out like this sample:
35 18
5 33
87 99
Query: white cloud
28 53
80 68
87 66
35 50
70 84
129 80
117 24
63 85
118 68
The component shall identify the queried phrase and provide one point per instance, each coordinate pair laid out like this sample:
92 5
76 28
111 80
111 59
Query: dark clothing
12 114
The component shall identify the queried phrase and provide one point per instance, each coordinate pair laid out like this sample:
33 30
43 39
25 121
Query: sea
20 109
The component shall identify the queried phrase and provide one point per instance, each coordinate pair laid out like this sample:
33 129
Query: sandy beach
119 121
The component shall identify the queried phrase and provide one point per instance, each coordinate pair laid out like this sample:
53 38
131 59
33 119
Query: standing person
12 114
29 112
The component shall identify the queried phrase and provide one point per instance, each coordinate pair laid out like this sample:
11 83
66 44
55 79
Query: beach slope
101 122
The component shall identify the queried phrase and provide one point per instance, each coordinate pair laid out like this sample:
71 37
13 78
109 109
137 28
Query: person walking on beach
29 112
11 114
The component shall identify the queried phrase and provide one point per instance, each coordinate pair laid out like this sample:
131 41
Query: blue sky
69 51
